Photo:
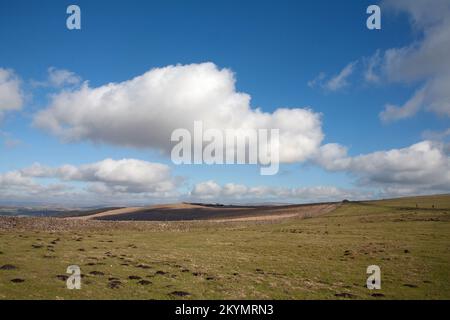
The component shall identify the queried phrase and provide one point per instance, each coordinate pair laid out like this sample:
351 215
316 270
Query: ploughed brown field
191 211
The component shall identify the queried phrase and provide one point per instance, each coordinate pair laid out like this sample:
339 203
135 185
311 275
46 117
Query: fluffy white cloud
109 180
231 192
11 97
336 82
14 185
424 166
126 175
207 189
144 111
15 179
333 157
426 61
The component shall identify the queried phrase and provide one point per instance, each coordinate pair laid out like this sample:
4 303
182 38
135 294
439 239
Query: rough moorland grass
288 259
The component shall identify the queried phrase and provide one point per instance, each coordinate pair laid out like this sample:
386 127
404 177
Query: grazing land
287 252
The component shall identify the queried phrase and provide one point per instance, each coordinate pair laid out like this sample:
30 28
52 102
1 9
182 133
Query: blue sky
274 49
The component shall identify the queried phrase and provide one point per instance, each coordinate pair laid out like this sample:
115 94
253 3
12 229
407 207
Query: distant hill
203 211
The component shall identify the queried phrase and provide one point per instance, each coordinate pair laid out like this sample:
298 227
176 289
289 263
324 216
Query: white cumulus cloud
144 111
126 175
108 180
424 166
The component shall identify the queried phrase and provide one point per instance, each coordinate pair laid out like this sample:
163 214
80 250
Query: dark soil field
187 212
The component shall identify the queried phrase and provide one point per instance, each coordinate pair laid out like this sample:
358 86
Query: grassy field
316 258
